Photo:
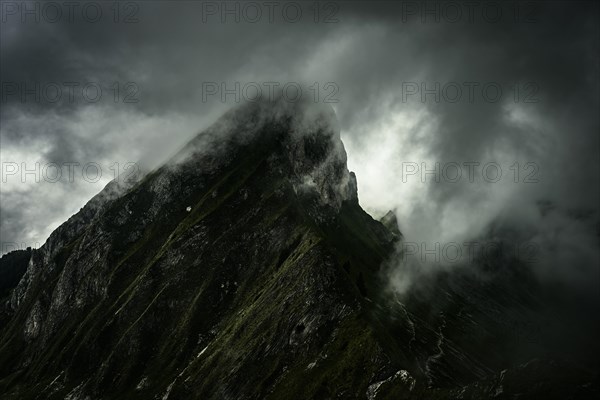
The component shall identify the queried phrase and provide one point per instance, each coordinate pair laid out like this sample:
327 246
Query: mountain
245 268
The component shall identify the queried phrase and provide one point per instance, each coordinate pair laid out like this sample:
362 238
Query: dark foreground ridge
245 268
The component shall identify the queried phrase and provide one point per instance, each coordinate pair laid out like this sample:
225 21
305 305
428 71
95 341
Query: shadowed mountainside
245 268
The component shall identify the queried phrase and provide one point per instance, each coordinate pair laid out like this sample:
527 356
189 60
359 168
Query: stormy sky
464 118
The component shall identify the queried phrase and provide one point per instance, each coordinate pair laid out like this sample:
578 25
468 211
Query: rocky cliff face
242 269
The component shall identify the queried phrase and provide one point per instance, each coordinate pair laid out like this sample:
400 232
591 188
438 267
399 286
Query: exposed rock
244 268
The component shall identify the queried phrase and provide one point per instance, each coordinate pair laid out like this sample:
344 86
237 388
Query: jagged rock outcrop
244 268
240 266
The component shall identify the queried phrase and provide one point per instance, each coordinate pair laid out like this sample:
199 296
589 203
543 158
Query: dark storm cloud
372 52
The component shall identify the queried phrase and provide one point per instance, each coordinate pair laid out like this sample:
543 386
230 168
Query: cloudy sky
457 116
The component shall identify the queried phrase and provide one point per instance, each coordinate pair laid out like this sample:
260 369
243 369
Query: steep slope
241 269
12 268
245 268
14 265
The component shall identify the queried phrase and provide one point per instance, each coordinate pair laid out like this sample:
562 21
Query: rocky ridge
244 268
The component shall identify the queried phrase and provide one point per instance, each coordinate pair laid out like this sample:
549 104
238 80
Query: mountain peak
241 259
245 268
300 139
390 221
